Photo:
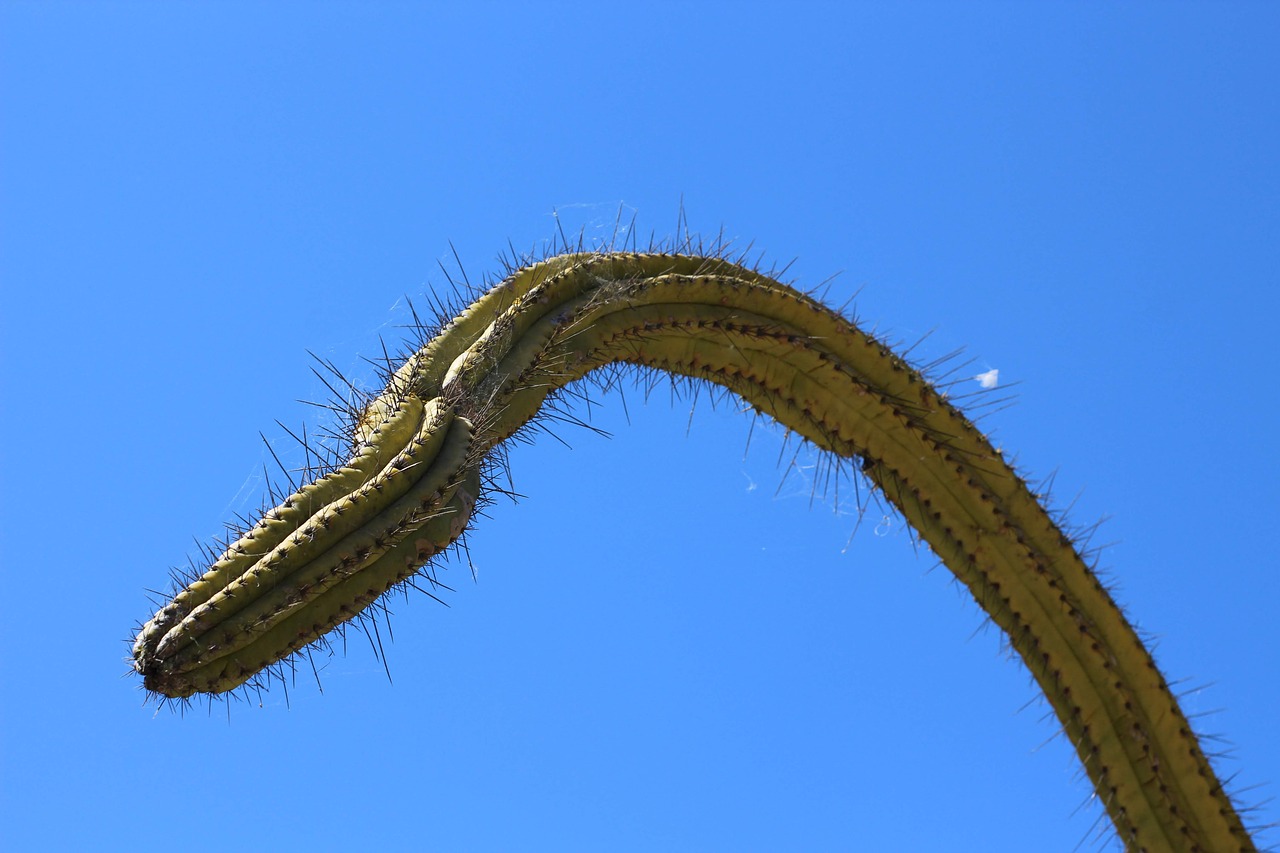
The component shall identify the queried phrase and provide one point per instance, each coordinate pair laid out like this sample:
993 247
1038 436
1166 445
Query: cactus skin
413 483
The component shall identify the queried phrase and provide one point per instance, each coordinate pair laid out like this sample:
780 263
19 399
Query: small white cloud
990 379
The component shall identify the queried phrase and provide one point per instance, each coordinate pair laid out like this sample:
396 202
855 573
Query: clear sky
664 649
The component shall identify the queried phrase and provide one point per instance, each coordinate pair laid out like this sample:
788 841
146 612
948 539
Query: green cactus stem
413 482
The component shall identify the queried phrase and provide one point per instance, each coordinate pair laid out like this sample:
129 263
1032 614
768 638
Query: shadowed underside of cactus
419 449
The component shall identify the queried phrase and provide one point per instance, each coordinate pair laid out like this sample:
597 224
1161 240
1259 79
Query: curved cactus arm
412 485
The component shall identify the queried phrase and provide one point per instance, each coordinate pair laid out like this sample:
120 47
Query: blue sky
664 648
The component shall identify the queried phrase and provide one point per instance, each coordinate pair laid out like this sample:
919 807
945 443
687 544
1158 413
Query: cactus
420 451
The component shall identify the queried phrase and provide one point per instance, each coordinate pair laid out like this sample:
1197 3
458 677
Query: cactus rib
413 484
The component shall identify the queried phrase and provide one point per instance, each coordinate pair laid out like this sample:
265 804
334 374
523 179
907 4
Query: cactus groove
414 479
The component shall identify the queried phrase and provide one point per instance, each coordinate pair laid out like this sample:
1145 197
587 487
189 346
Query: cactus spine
410 489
